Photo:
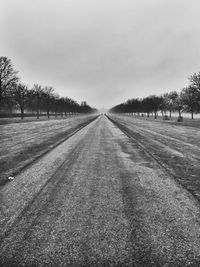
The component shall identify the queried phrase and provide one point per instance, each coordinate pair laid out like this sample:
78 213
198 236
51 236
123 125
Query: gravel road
98 200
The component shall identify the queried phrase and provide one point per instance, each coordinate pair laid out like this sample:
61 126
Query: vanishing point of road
98 199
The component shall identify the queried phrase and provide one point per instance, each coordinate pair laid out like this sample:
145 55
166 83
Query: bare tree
191 97
37 89
155 102
178 103
164 106
195 81
30 101
48 95
56 104
20 95
170 100
8 76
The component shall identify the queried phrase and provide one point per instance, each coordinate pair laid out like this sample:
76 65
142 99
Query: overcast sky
102 51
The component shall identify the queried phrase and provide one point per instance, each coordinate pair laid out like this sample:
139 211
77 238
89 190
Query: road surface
98 199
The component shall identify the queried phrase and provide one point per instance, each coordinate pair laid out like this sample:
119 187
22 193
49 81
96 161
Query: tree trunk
22 113
155 114
170 113
192 114
38 114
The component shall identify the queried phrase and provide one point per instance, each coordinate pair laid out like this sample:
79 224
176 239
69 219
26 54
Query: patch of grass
23 144
173 121
177 149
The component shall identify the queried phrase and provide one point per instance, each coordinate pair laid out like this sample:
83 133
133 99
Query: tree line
187 100
17 96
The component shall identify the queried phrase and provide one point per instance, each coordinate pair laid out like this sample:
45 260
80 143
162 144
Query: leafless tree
20 96
178 103
37 90
48 96
191 100
195 81
8 76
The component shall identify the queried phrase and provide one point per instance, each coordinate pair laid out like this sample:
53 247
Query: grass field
22 142
33 118
187 121
175 145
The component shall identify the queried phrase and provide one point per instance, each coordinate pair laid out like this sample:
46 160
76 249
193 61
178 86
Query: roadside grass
188 133
175 147
34 118
23 143
186 120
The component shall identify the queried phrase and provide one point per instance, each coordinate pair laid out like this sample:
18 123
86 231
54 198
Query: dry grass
175 145
187 121
33 118
21 143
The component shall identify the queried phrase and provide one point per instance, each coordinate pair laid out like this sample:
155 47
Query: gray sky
102 51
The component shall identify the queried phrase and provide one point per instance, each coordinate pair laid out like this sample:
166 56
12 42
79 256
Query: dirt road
98 200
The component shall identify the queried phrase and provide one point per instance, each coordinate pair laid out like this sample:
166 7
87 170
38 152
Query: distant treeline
16 96
187 100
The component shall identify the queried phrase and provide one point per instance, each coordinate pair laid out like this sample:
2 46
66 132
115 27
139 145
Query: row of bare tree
14 95
187 100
